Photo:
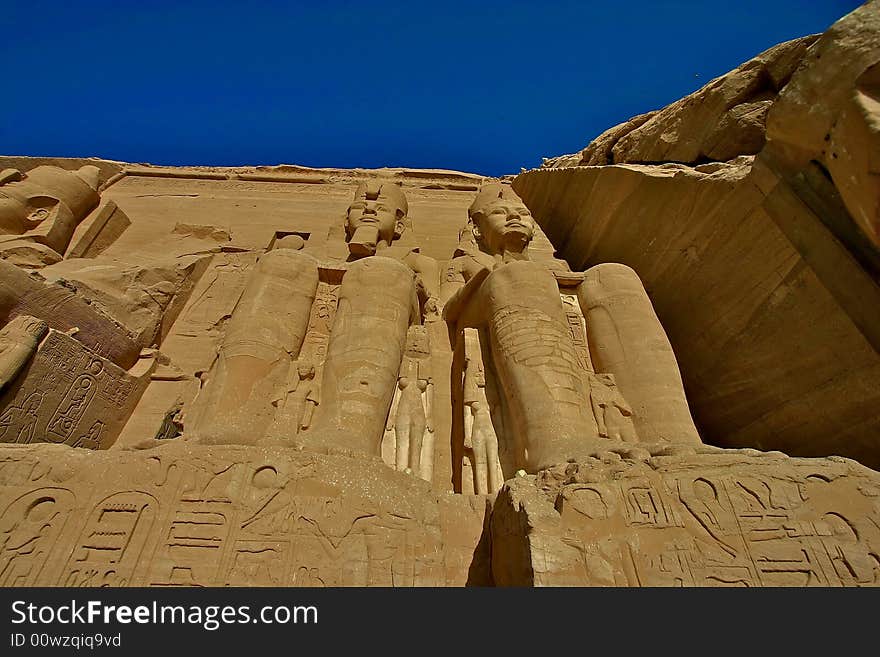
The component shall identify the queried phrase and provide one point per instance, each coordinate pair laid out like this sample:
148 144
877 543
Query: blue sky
487 87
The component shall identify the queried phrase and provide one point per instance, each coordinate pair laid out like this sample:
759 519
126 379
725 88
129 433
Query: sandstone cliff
749 209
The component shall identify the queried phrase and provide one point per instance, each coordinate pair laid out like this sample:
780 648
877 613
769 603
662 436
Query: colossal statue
550 400
263 388
386 290
548 364
40 210
266 330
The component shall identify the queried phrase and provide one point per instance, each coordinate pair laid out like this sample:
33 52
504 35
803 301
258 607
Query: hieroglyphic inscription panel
709 519
183 516
68 394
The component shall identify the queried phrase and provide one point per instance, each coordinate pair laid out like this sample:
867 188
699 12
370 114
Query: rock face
698 518
718 122
282 376
830 115
761 268
180 516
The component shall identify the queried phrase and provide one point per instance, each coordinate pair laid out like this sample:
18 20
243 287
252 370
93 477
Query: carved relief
705 520
69 395
194 541
114 542
30 528
612 413
408 444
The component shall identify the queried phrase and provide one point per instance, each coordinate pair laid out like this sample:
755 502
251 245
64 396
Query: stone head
500 221
376 215
305 370
26 200
33 402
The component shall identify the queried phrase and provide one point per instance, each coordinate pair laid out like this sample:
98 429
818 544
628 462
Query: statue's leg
416 433
19 340
626 339
426 464
402 434
364 354
493 466
536 363
265 331
481 464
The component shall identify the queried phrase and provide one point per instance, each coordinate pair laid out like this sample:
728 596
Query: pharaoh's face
380 210
506 224
13 215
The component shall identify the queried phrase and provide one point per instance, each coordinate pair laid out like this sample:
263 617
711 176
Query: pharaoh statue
387 293
266 329
263 388
40 210
550 405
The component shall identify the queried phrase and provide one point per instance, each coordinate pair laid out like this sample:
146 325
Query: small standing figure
22 419
426 462
296 405
613 414
480 438
410 423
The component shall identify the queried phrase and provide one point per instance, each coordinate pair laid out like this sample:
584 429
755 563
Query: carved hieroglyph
68 394
690 517
181 515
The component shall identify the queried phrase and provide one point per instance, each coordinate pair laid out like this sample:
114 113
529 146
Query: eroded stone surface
179 515
679 517
756 266
314 377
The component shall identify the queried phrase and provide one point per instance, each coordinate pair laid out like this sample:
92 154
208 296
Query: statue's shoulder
469 263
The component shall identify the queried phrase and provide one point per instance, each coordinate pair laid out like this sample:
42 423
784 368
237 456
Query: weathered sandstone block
185 515
68 394
690 517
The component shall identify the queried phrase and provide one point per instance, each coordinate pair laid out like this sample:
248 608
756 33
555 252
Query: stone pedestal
186 515
690 517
